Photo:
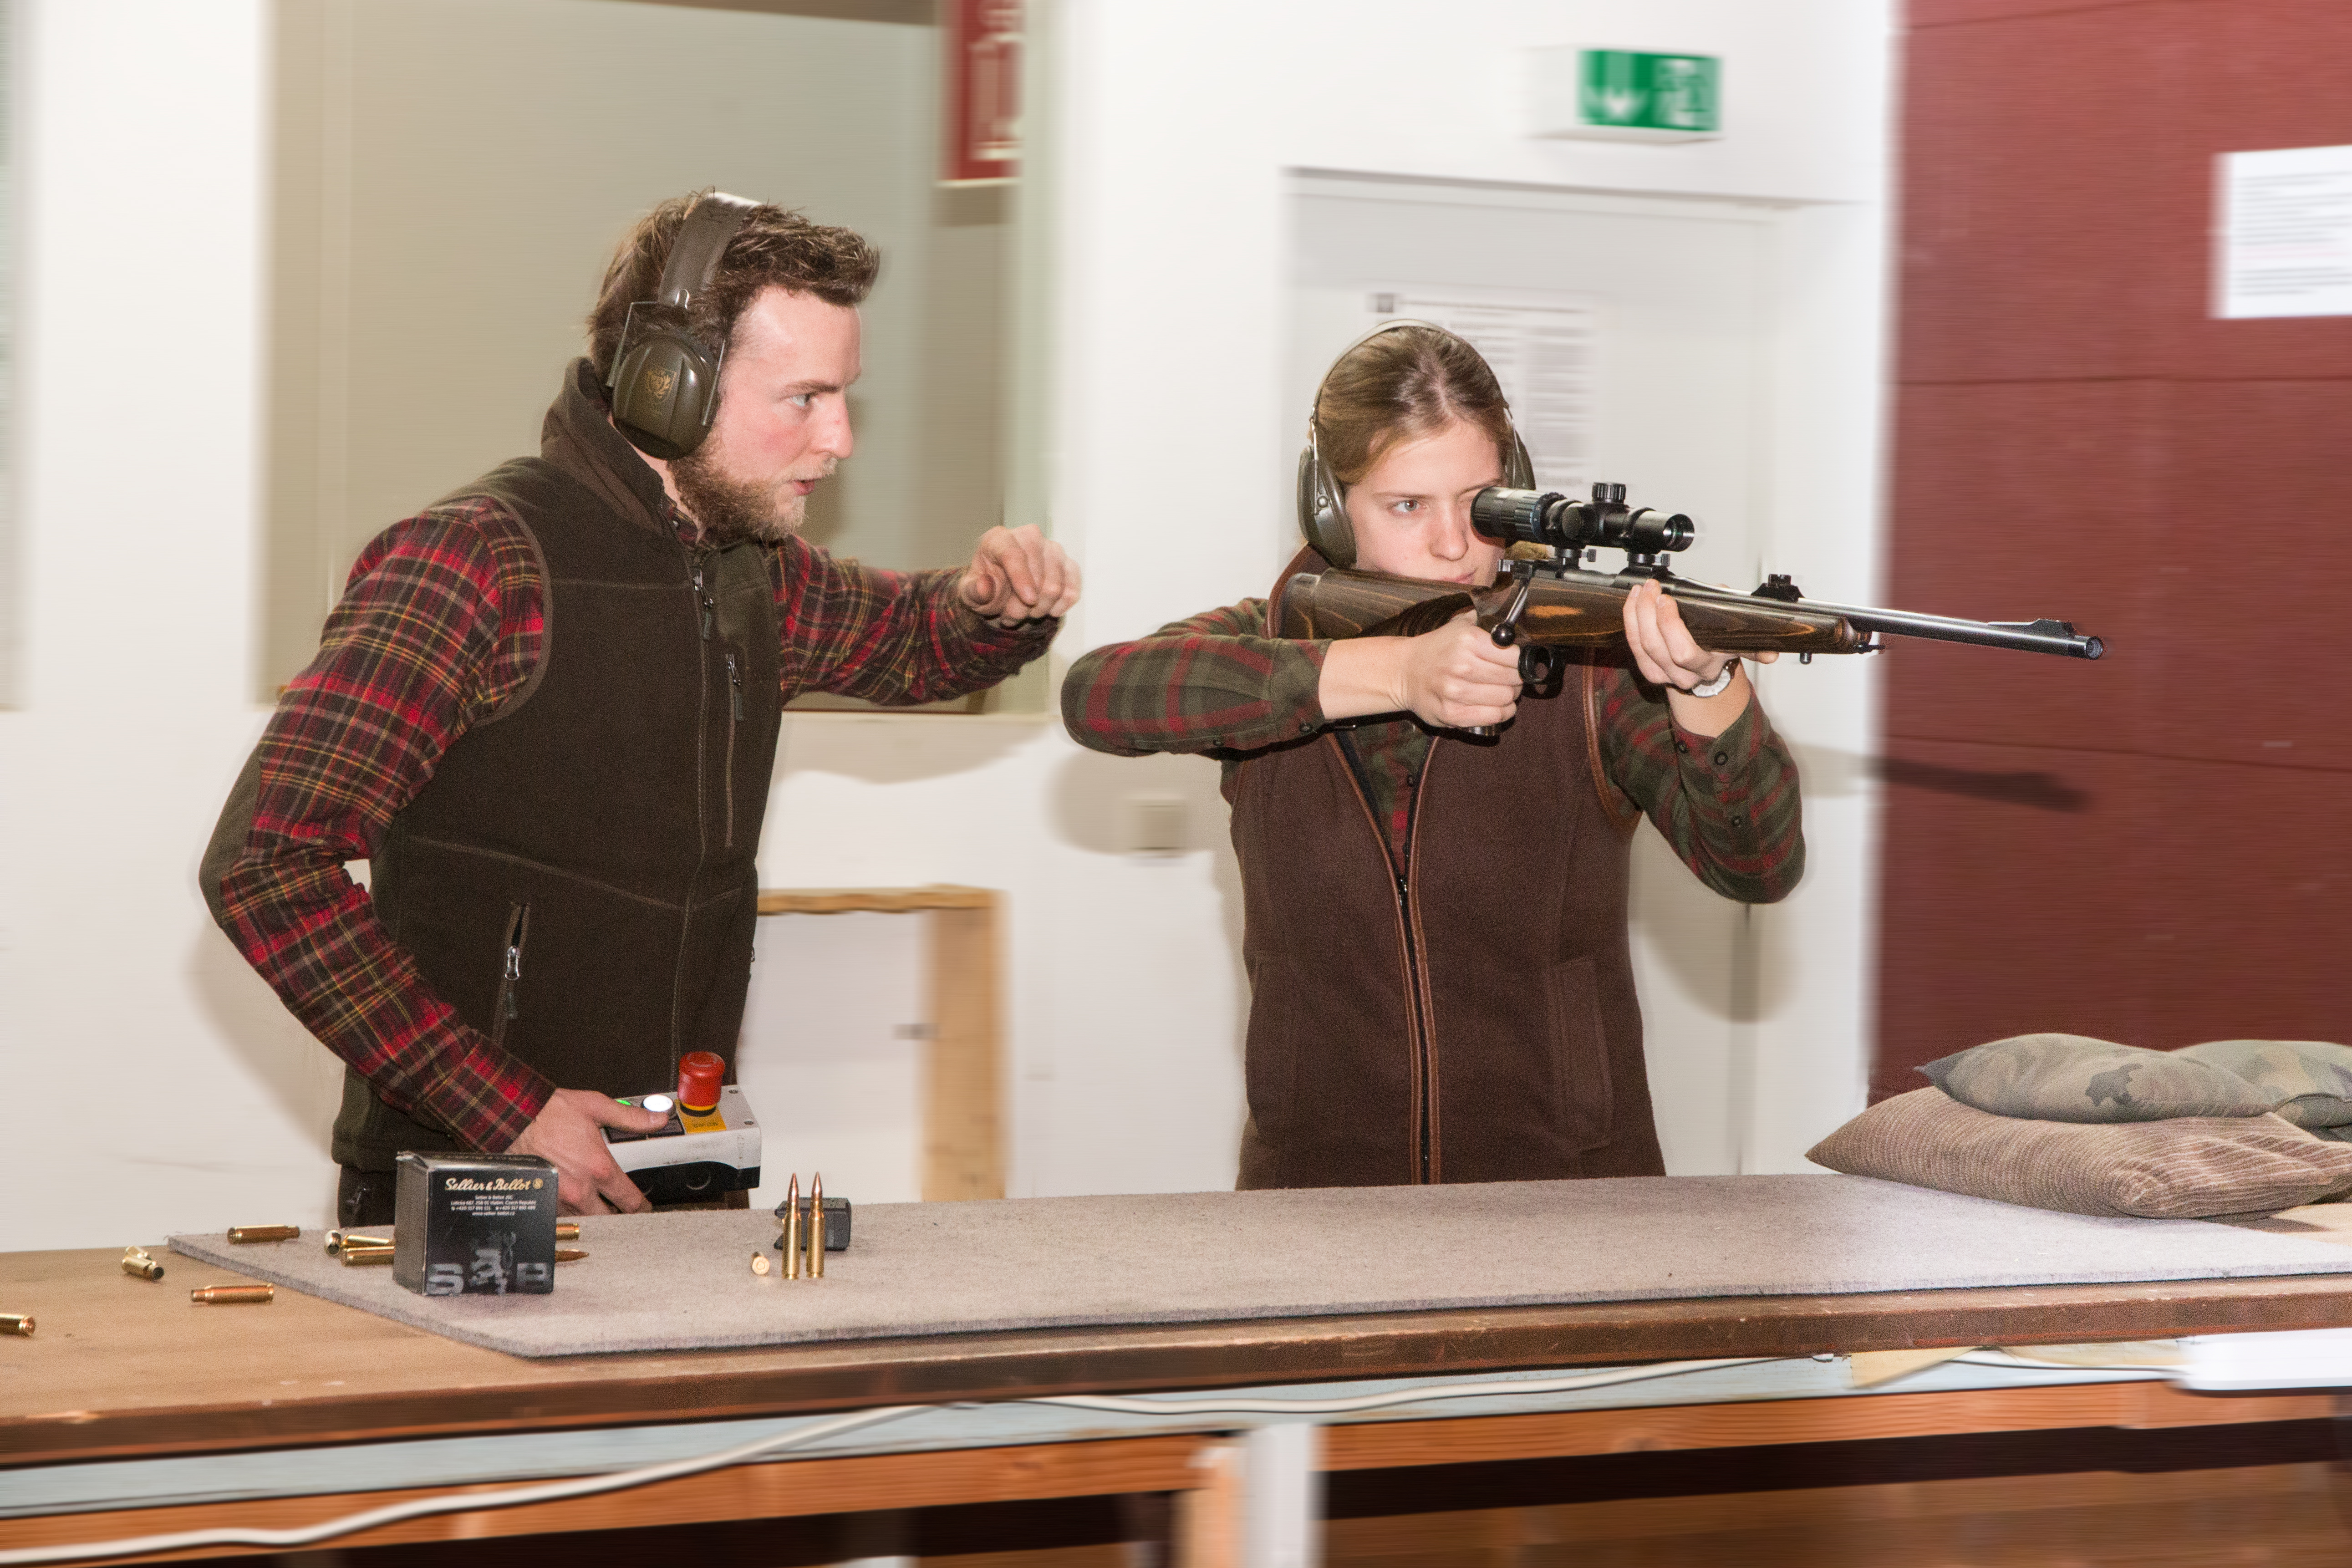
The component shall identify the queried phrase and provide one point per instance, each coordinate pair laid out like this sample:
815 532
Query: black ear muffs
1322 500
1322 514
664 380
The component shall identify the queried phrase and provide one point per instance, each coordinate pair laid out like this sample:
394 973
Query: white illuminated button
659 1104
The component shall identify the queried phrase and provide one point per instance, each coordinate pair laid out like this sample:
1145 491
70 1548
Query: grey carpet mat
683 1281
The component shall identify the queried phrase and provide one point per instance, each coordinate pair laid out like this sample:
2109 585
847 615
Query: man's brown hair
1401 384
773 248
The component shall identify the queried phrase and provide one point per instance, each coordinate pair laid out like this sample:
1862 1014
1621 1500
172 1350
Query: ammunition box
474 1225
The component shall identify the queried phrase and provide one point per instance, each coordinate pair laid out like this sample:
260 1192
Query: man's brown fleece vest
578 878
1472 1022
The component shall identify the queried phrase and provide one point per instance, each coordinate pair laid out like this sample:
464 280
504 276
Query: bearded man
545 711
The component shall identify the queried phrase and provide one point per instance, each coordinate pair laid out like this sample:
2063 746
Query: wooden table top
122 1367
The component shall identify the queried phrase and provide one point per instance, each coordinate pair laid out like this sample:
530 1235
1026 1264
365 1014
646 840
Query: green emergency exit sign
1628 94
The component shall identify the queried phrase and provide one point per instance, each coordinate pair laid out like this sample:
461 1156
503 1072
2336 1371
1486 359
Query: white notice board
2282 233
1546 351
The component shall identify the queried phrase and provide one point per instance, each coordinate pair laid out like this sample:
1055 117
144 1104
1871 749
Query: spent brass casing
792 1229
339 1239
760 1265
264 1232
570 1254
816 1226
137 1263
231 1295
359 1257
17 1324
567 1230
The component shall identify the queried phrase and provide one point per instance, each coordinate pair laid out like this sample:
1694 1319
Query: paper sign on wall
1545 348
2283 234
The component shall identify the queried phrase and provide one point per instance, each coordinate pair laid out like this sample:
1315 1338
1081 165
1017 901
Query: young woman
1442 985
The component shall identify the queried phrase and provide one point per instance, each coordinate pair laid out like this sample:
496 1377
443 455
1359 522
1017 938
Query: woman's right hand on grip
1452 677
1455 676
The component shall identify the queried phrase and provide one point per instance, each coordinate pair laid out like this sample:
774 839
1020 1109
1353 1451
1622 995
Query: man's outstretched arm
903 638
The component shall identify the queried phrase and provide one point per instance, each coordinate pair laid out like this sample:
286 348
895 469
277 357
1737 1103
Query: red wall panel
2154 849
2136 898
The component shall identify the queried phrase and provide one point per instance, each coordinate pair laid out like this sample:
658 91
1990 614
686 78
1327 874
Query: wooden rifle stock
1579 609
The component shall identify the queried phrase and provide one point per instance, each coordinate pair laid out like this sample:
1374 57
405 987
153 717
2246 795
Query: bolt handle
1536 663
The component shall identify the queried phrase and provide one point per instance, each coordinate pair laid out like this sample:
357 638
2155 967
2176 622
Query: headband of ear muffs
664 380
1322 500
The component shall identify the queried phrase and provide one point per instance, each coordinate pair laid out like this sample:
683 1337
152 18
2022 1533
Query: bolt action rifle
1554 602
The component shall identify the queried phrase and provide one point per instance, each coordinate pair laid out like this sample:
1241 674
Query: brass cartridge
137 1263
357 1257
760 1265
16 1324
264 1232
570 1254
231 1295
793 1228
567 1230
339 1239
816 1226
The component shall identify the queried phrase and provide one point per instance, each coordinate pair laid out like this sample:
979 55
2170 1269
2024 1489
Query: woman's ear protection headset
1322 508
664 380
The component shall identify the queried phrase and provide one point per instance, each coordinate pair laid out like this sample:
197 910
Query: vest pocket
508 1006
1579 1055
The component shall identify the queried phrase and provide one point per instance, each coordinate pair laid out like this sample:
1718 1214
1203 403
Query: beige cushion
2073 1077
2183 1168
2315 1076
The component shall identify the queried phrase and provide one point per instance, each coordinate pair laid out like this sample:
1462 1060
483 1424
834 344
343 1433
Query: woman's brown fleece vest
578 878
1475 1021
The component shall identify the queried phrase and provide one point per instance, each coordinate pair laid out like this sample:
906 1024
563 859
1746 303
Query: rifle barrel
2057 638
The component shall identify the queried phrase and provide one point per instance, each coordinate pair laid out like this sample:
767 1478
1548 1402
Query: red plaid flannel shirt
440 623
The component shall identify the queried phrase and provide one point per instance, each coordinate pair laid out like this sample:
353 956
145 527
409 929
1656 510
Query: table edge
642 1387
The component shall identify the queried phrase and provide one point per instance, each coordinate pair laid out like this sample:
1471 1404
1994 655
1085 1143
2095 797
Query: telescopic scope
1551 520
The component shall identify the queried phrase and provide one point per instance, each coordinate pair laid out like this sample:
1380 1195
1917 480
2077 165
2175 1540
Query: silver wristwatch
1721 682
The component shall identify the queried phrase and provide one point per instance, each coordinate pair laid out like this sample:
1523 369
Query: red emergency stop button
698 1073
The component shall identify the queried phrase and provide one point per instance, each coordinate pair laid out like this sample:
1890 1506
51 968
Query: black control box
474 1225
836 1224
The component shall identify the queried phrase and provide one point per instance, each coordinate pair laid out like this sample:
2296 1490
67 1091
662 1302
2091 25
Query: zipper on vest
1417 1025
1422 1150
703 603
734 717
1425 1026
510 971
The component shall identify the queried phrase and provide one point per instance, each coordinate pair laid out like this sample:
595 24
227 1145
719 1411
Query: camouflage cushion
2315 1076
2185 1168
2073 1077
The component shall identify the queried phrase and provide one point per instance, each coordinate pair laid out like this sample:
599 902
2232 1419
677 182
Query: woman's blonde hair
1398 386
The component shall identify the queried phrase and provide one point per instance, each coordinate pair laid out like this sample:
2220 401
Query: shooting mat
683 1281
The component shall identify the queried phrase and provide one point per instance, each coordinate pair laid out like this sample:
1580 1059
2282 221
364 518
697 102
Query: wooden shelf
880 901
963 1074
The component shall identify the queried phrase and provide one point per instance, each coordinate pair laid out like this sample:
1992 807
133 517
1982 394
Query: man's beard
731 510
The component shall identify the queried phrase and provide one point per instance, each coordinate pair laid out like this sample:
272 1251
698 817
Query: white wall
157 1084
137 482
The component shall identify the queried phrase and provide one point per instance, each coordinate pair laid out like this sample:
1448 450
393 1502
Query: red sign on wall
982 115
